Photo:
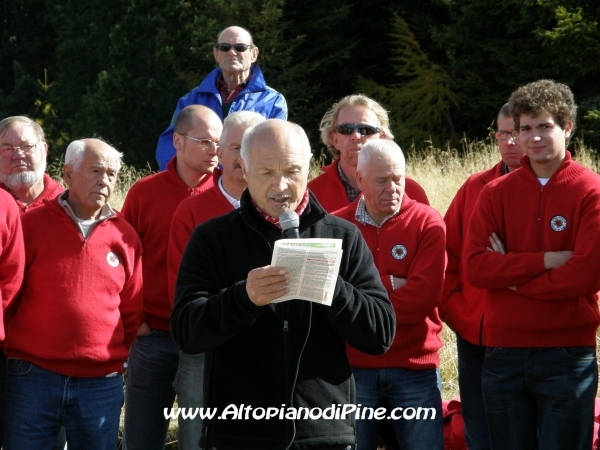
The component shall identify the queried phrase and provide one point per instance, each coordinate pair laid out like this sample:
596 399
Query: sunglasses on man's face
364 130
237 47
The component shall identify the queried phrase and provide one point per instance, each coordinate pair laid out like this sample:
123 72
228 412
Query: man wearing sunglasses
154 360
345 128
237 84
462 303
23 151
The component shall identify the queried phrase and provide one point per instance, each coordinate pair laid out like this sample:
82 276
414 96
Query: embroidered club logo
558 223
112 259
399 251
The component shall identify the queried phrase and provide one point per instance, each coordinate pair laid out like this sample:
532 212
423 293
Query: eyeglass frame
4 150
507 135
220 44
204 142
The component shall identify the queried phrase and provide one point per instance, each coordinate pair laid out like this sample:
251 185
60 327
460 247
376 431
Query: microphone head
288 220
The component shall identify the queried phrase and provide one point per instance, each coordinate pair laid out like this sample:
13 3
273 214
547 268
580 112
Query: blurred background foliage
443 68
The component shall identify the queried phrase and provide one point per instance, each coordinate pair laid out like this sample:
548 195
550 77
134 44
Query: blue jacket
256 96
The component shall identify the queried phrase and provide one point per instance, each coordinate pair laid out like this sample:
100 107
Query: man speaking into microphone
262 354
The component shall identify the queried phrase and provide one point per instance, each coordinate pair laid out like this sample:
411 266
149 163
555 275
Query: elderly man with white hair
263 354
23 152
407 240
78 311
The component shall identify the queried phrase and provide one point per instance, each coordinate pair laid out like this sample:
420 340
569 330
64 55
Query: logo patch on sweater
399 251
112 259
558 223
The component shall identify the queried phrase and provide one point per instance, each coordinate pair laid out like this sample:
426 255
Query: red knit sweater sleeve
12 257
578 277
422 292
454 242
132 296
486 269
182 226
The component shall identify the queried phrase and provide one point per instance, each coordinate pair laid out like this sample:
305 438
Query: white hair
383 148
27 179
76 153
291 128
240 118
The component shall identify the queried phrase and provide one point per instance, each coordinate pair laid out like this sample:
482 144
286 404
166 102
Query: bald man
237 84
149 208
279 356
78 313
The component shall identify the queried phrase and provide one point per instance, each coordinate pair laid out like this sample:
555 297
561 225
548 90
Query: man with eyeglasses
462 304
23 152
149 208
533 245
237 84
345 128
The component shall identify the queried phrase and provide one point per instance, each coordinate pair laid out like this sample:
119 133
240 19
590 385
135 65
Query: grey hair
9 122
241 118
297 130
76 153
382 148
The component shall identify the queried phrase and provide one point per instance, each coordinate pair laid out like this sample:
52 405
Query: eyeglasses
204 143
502 135
223 47
8 151
364 130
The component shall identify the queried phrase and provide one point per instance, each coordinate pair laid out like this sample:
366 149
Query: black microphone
289 223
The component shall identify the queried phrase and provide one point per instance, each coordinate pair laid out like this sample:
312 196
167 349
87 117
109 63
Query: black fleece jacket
292 353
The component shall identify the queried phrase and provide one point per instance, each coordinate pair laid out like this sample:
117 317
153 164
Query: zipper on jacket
540 204
286 387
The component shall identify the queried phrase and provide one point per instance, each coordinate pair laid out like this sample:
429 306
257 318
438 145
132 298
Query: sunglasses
364 130
237 47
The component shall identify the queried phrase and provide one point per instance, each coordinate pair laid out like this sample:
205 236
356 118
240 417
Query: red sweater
51 190
550 308
189 214
331 193
409 245
80 306
12 254
461 301
149 208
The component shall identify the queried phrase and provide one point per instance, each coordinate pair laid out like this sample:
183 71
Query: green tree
419 98
492 48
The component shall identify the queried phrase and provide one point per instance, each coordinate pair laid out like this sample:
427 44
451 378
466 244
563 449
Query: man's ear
243 166
255 52
359 179
68 174
177 141
568 129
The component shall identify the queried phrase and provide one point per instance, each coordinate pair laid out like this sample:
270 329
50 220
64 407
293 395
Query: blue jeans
189 384
149 390
407 389
36 401
470 361
546 393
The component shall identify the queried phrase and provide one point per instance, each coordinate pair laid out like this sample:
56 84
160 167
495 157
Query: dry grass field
440 172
